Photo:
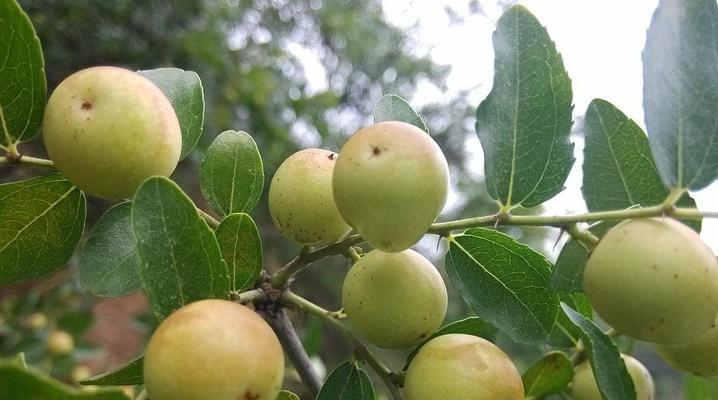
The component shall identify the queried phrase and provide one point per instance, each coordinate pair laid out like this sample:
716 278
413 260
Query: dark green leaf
505 282
608 367
129 374
18 382
393 108
184 90
42 222
567 274
550 374
469 326
525 122
241 248
565 333
618 168
287 395
699 388
680 91
180 259
23 88
347 382
232 174
109 263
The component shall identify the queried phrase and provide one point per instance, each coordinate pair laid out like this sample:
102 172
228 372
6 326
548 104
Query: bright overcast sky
601 43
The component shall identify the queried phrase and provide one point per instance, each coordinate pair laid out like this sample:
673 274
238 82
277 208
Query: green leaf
287 395
42 222
680 91
525 122
18 382
699 388
185 93
469 326
567 274
180 259
22 76
241 248
550 374
109 263
129 374
505 282
618 168
347 382
565 333
608 367
393 108
232 174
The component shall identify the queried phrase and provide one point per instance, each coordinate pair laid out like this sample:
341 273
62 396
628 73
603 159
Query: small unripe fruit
60 343
584 386
213 350
36 321
458 366
394 300
108 129
301 202
390 184
80 373
697 357
654 280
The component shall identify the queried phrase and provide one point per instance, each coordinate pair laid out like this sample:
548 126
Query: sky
600 41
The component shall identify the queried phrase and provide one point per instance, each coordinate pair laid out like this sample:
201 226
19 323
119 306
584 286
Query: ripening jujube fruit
697 357
654 279
394 300
213 350
584 386
60 343
108 129
459 366
301 202
390 184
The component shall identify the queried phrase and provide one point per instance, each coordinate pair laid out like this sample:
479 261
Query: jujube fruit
108 129
301 202
390 184
394 300
584 386
698 357
213 350
654 280
459 366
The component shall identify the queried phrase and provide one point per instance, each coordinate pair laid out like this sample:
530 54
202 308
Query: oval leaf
565 333
393 108
468 326
680 91
609 369
525 122
185 93
42 222
618 169
180 260
109 263
22 76
129 374
550 374
232 174
18 382
241 248
347 382
505 282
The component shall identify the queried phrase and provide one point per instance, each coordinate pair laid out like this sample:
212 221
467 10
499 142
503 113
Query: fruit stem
582 235
14 158
360 349
248 296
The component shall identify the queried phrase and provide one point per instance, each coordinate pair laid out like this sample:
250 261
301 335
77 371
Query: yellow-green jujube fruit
60 343
459 366
390 184
394 300
213 350
301 202
699 357
108 129
584 386
653 279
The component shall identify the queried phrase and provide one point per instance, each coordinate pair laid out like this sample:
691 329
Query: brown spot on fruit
375 150
86 105
332 156
249 396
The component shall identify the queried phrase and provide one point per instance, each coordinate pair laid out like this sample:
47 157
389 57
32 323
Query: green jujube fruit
698 357
584 386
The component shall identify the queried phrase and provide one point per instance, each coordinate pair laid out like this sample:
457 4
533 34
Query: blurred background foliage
293 74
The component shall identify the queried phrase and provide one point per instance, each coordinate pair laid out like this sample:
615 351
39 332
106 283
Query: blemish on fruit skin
86 105
249 396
